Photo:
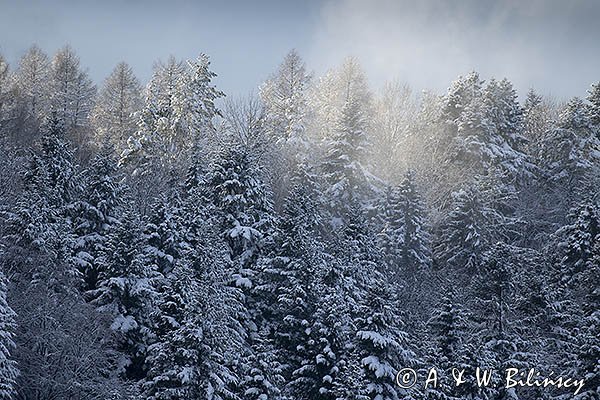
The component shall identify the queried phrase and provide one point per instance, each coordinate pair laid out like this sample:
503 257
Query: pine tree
579 239
54 360
570 156
246 222
536 121
320 375
447 341
119 100
460 94
572 147
245 207
40 219
483 128
8 367
496 294
194 106
579 269
187 359
162 236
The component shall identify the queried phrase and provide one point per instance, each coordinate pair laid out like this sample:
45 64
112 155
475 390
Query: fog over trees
160 240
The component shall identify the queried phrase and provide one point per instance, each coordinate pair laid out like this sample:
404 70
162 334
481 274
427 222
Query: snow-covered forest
160 240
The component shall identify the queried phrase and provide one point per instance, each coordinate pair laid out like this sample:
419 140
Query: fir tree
179 111
579 268
95 215
245 207
194 106
593 107
464 233
380 344
125 291
344 173
447 341
8 367
287 283
570 154
405 236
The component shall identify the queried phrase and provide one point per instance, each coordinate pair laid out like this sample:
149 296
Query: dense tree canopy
157 242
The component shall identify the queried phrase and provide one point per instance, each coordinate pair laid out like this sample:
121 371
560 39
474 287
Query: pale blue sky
553 45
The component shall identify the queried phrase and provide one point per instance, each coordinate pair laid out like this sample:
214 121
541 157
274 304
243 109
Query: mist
427 44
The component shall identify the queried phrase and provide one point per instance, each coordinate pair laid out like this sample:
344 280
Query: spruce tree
8 367
464 233
593 106
381 346
579 268
287 282
95 215
447 344
125 291
405 237
342 165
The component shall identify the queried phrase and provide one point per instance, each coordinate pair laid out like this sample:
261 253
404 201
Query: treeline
164 242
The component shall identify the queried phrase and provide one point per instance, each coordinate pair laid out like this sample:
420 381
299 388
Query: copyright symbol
406 378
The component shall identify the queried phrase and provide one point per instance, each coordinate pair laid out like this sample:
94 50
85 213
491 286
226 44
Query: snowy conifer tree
5 95
326 356
405 237
342 165
125 291
500 331
382 347
446 344
287 282
194 326
463 236
571 150
245 205
593 107
580 238
194 105
73 92
8 367
179 110
95 216
119 99
284 96
32 80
